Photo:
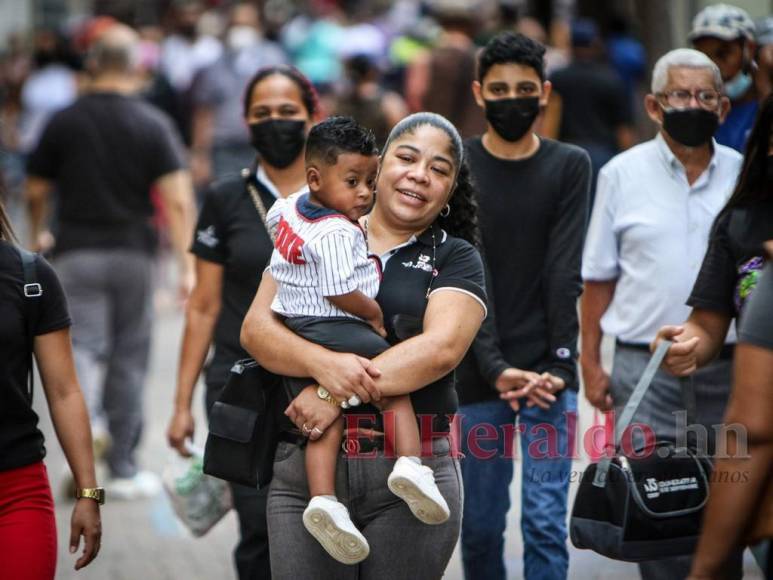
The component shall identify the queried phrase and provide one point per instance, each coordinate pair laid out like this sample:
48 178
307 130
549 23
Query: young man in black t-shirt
105 154
533 206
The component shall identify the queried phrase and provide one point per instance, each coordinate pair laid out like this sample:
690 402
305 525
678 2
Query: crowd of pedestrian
395 210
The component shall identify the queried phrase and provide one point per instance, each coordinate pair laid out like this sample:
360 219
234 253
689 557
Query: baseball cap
765 31
722 21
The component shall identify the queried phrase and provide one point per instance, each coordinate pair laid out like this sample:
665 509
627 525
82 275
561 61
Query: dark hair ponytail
6 231
462 219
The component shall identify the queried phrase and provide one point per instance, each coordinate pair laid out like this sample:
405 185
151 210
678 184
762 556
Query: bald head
115 51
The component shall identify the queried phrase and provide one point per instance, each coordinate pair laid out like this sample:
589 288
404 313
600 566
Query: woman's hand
345 375
85 522
311 414
181 427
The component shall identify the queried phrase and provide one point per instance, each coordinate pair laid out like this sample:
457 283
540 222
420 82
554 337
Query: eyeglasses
681 99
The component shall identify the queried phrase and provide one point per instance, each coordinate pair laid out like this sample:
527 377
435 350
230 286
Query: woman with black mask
734 258
232 248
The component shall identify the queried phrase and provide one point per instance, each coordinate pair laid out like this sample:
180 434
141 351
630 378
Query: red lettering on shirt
289 243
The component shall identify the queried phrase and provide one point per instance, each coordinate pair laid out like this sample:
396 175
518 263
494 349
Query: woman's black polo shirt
447 264
230 232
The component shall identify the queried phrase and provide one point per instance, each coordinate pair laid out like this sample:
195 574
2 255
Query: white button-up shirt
649 231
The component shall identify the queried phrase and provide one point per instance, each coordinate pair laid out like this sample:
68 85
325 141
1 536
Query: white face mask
241 37
736 87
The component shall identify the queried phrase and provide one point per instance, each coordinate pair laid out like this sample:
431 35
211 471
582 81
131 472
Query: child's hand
378 324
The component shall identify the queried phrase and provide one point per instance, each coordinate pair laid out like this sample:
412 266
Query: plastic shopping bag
198 500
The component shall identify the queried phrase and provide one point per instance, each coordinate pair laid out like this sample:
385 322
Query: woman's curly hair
462 220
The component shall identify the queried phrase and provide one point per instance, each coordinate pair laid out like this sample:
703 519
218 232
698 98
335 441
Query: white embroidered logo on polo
420 264
207 237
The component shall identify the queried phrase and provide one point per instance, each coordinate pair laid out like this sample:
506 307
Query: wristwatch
325 395
95 493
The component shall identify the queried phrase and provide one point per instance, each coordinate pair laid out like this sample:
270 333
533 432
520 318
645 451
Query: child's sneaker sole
341 545
423 507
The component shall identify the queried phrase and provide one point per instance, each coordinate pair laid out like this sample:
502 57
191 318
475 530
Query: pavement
142 540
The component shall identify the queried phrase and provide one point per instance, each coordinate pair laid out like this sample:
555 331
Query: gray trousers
110 298
663 399
401 547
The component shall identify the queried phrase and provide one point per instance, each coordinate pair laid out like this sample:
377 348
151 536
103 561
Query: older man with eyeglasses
654 208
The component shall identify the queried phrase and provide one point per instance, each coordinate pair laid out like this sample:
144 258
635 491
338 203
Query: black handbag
244 426
646 506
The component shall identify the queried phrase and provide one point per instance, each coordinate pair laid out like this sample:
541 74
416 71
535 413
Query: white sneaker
415 485
143 485
328 521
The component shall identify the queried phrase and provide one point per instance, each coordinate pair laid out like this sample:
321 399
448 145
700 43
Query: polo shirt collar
262 177
671 160
425 237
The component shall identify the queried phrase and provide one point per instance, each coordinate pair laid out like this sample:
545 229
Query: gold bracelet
95 493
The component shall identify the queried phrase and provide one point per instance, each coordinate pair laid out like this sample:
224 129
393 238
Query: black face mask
279 141
690 127
511 118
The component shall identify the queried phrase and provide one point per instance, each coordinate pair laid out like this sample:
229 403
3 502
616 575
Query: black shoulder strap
32 291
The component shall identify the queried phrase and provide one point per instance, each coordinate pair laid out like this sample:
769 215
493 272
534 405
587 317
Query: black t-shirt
757 320
532 215
403 291
104 153
231 232
733 259
593 104
21 442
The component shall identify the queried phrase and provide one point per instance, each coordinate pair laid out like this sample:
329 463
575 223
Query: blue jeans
487 470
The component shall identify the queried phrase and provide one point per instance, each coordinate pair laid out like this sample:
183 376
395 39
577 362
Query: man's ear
313 178
653 108
724 109
476 92
547 88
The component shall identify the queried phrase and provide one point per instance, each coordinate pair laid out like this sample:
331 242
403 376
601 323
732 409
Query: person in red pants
36 322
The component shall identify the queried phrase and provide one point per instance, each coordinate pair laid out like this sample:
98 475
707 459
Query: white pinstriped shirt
318 252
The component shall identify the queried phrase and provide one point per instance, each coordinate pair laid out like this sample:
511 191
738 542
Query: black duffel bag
244 426
646 506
